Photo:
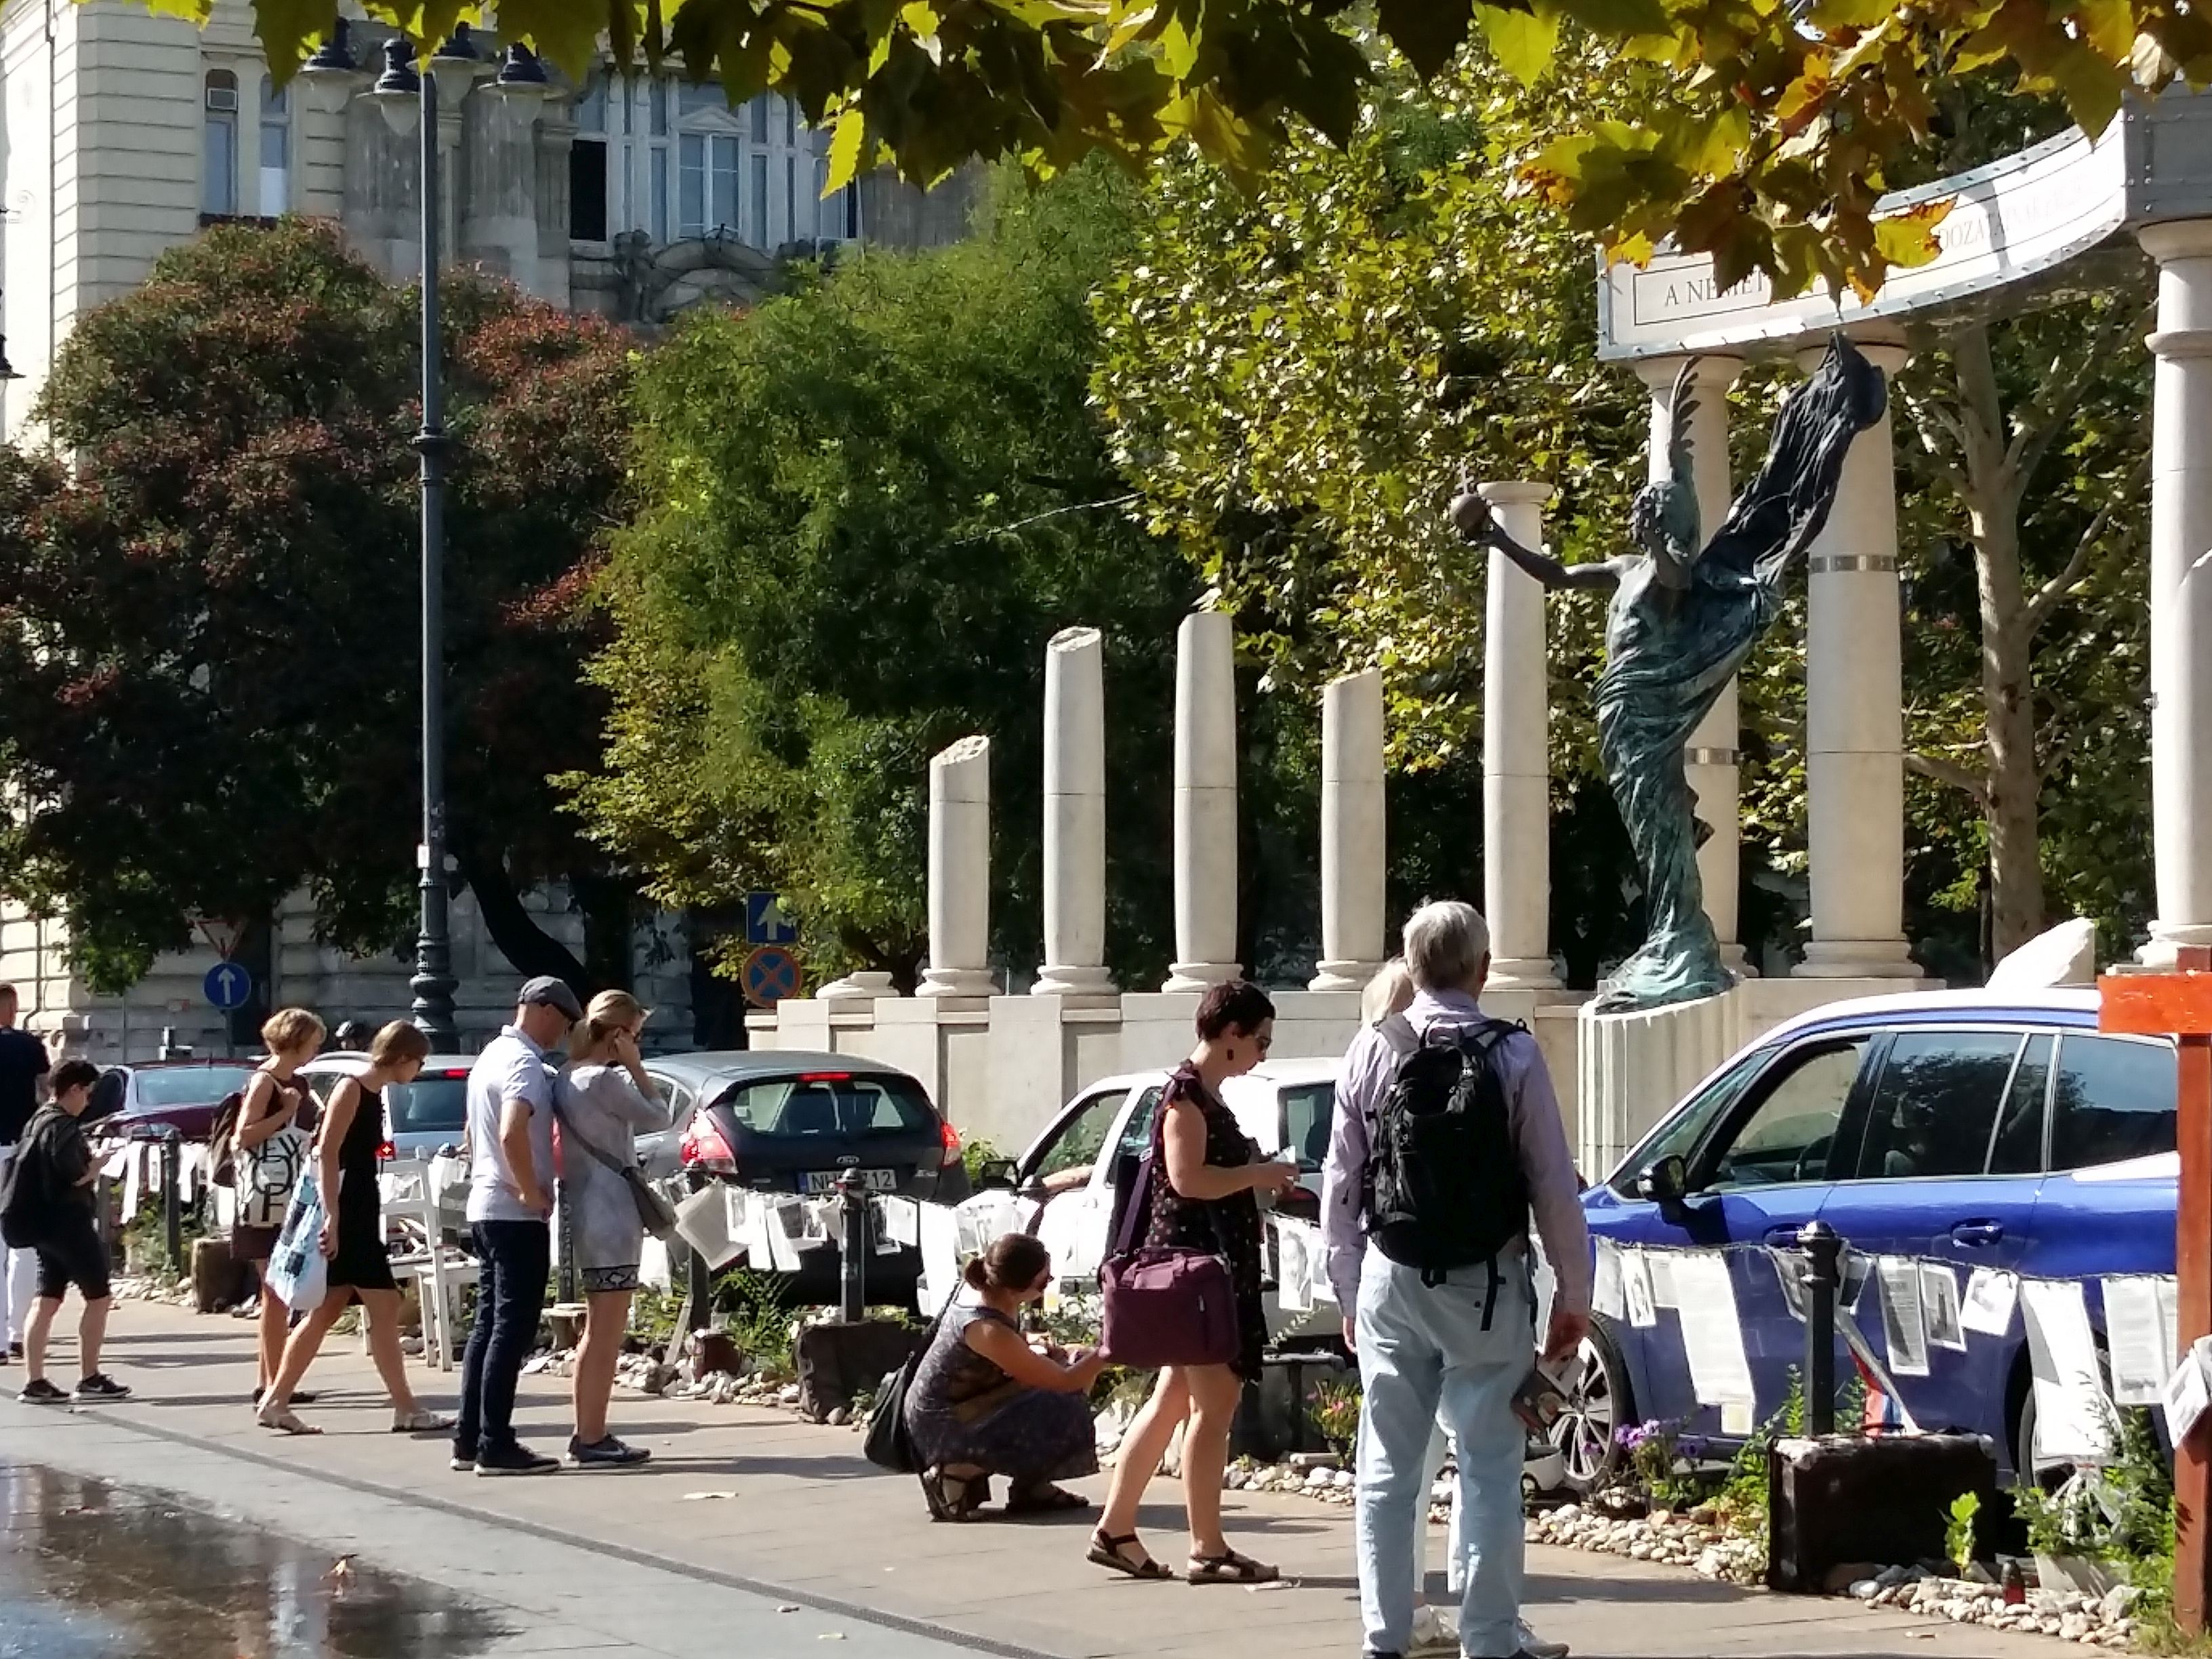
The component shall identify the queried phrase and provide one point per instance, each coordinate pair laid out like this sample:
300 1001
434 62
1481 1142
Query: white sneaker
1435 1631
1536 1646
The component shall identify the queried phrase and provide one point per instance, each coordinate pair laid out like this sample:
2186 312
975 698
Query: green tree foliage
1793 117
210 664
868 505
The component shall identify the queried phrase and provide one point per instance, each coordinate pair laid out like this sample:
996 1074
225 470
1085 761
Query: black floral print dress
1229 1227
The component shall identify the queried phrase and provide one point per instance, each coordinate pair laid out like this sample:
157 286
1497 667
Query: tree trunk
2014 784
531 950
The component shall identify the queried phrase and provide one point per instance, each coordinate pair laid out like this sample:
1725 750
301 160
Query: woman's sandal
937 1489
1106 1552
284 1420
420 1421
1230 1568
1044 1500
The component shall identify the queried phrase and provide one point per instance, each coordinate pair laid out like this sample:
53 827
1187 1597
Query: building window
587 165
757 207
275 149
219 143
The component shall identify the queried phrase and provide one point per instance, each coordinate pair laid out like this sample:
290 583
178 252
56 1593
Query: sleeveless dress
362 1262
962 1409
1228 1227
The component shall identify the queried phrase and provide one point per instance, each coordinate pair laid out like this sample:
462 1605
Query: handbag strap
585 1142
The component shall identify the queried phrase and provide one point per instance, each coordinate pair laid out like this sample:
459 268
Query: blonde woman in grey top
601 1100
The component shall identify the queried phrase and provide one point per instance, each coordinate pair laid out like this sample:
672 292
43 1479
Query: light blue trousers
1424 1351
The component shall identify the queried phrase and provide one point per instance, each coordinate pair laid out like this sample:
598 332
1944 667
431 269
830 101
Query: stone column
1854 716
2181 587
499 207
960 873
1711 758
1517 772
1074 817
1352 842
1204 803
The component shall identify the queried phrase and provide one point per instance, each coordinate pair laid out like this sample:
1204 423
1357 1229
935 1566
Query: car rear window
189 1085
1935 1103
439 1103
2111 1100
831 1104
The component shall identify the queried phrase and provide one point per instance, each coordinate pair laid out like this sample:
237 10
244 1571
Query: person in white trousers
23 1066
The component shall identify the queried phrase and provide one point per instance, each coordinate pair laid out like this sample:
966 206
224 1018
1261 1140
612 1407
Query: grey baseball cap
548 991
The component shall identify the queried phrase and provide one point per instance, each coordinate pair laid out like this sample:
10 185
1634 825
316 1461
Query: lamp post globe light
409 98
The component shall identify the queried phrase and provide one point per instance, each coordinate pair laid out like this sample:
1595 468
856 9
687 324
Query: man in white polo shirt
510 1110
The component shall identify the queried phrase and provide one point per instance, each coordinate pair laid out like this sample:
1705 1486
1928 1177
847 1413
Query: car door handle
1977 1232
1783 1236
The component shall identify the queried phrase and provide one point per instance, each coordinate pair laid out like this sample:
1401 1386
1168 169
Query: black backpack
1445 1189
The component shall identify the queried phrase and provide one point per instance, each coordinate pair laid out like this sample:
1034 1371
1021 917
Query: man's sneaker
100 1386
607 1454
1535 1647
15 1349
516 1460
42 1392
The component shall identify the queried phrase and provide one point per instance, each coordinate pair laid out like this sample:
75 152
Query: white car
1069 1168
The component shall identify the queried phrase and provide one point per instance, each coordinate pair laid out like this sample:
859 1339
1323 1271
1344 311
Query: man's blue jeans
1424 1348
512 1261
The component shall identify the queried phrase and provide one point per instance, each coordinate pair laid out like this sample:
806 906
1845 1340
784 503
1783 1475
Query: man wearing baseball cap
510 1113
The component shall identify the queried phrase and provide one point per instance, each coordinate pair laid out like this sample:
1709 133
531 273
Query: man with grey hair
1455 1338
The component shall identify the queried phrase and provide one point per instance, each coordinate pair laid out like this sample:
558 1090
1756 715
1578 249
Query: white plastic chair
412 1191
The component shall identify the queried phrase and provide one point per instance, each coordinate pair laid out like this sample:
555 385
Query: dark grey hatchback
788 1121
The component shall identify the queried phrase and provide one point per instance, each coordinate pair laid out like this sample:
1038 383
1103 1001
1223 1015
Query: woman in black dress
1206 1172
353 1238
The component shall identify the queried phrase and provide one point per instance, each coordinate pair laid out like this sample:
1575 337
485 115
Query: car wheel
1601 1403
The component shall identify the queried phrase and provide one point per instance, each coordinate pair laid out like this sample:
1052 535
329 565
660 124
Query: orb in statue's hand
1470 515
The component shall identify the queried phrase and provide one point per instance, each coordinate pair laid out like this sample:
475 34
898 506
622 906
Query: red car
178 1093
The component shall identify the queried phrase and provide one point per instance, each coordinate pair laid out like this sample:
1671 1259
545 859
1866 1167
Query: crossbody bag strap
585 1141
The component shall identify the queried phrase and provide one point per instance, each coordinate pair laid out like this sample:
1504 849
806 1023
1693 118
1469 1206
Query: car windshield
187 1086
831 1104
430 1105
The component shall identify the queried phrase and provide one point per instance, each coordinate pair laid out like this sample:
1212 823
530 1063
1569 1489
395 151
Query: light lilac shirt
1554 1193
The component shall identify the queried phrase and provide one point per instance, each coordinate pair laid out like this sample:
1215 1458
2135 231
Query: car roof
724 1066
2067 1005
1309 1069
347 1063
182 1064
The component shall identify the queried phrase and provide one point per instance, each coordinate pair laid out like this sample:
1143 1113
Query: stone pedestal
857 988
1854 720
1516 773
1711 758
959 872
1351 832
2181 587
1204 803
1074 817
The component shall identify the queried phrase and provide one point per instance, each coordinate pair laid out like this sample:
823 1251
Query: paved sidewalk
812 1525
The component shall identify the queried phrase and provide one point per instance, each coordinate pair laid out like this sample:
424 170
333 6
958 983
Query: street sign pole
2179 1004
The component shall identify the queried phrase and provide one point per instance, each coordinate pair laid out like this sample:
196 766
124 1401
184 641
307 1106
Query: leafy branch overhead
1794 112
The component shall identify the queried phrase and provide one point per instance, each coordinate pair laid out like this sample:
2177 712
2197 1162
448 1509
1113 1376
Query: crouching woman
984 1401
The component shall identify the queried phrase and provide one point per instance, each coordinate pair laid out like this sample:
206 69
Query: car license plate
872 1181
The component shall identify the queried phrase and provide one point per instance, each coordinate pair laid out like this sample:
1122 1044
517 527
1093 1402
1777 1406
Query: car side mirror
1666 1181
998 1172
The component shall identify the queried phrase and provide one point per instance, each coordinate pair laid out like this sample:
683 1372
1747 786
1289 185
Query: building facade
628 195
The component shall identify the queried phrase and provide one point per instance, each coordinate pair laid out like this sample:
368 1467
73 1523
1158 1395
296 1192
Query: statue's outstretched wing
1681 459
1783 507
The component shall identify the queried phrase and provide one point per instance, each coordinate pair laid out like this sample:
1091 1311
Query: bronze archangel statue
1681 623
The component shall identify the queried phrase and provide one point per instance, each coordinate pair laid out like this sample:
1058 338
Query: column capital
1716 370
1515 492
2173 343
2177 239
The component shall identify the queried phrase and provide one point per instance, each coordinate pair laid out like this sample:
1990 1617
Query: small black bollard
173 1206
852 1249
1823 1251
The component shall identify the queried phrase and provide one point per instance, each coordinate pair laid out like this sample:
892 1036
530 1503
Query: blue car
1976 1129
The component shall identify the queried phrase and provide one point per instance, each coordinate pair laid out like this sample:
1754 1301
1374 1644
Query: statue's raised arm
1471 517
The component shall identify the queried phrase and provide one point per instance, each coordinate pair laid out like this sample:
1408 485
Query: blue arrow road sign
228 986
770 975
766 921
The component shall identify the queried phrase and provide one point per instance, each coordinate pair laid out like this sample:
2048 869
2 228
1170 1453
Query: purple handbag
1164 1306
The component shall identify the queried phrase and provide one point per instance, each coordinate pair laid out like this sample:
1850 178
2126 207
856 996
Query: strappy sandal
937 1489
284 1420
420 1421
1044 1500
1230 1568
1106 1552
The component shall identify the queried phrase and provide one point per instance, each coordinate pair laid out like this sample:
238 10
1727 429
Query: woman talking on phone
601 1100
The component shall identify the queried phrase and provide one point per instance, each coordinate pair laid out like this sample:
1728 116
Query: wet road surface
91 1570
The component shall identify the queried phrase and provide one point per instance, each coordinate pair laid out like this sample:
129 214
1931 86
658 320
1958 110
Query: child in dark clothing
49 1207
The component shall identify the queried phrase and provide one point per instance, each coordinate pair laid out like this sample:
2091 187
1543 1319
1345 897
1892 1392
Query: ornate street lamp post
409 97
